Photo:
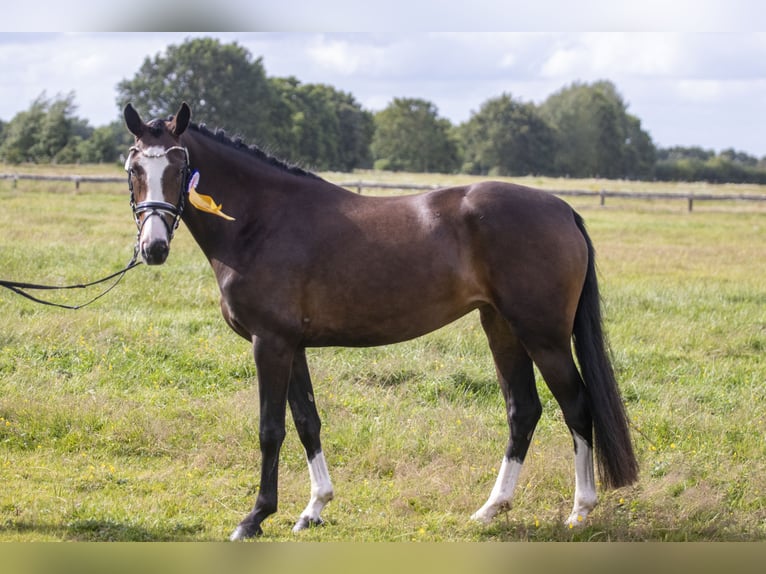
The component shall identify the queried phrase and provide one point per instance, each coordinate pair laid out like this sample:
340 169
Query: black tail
617 463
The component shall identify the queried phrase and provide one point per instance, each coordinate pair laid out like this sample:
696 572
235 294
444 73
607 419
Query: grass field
136 418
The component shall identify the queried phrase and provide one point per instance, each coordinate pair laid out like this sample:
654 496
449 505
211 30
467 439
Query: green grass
136 418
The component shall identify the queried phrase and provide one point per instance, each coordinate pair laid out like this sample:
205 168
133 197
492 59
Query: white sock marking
502 492
321 493
585 484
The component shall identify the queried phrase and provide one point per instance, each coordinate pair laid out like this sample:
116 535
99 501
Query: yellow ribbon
204 202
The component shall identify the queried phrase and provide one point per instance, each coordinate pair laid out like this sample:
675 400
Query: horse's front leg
273 360
308 425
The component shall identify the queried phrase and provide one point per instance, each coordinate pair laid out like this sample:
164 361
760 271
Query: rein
20 288
151 208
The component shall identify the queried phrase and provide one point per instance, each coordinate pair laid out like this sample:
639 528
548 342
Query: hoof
482 517
487 513
575 520
243 533
305 522
582 509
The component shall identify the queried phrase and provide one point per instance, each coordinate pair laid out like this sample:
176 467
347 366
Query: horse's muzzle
155 252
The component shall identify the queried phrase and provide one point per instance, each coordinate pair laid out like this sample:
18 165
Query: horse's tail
617 463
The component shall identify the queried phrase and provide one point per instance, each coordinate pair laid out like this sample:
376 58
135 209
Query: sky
693 72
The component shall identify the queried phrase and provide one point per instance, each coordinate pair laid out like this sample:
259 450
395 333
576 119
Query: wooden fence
359 186
689 197
76 179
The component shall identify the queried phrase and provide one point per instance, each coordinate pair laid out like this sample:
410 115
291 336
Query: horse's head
158 172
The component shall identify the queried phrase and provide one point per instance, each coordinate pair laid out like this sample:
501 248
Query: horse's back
518 205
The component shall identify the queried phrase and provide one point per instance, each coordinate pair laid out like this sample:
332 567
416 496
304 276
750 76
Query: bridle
159 208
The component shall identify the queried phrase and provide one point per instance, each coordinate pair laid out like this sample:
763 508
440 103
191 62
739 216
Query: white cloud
340 56
700 91
565 61
508 60
614 55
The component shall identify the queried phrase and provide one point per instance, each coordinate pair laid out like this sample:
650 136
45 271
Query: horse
301 262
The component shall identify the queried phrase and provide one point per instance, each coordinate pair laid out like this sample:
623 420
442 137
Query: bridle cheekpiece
159 208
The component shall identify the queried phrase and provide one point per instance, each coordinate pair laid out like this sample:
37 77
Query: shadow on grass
106 531
615 531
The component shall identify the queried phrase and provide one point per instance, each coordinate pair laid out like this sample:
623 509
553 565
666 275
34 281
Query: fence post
602 194
691 201
76 184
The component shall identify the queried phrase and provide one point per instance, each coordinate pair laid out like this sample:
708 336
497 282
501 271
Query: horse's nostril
156 252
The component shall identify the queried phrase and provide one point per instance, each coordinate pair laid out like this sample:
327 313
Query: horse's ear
133 121
180 121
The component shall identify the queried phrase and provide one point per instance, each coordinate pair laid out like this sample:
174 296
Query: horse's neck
247 188
235 176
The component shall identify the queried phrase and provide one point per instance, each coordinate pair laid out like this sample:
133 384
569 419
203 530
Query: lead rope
19 287
153 207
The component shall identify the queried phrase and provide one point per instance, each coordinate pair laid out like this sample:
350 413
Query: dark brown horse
306 263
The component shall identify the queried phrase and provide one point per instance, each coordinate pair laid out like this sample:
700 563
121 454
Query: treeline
583 130
49 132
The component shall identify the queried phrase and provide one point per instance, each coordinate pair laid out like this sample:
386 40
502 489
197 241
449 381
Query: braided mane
237 143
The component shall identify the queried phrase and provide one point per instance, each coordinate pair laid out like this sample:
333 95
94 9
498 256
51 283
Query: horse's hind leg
560 373
307 423
517 382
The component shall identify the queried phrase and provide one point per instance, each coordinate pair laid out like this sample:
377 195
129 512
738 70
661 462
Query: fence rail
77 179
689 197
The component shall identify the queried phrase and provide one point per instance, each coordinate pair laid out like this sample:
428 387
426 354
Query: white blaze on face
154 161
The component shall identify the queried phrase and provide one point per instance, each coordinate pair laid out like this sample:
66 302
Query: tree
357 127
21 133
410 136
60 132
697 164
47 132
640 154
506 137
595 134
106 144
320 126
574 113
739 157
676 153
222 83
